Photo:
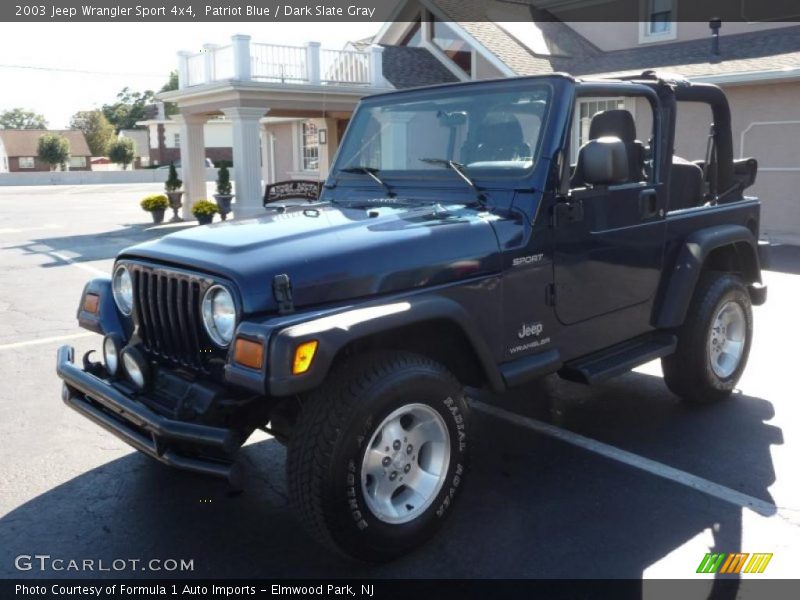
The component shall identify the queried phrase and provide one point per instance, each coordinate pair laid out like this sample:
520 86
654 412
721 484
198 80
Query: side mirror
744 171
604 161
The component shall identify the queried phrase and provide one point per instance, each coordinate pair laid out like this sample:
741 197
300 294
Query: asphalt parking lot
619 480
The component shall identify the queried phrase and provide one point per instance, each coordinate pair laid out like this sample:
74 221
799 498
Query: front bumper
184 445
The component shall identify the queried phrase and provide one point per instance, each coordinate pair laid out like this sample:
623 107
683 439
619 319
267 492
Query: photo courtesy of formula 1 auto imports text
381 299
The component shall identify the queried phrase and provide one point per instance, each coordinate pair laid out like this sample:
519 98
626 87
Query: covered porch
257 86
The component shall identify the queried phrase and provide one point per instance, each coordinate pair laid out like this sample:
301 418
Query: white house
437 41
3 158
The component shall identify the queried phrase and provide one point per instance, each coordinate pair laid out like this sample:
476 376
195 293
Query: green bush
204 207
154 202
173 184
122 151
54 150
223 181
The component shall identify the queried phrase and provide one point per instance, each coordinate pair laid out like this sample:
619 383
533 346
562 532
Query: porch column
193 160
266 154
246 158
394 141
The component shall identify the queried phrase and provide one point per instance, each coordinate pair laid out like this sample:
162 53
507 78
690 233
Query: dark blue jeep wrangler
482 234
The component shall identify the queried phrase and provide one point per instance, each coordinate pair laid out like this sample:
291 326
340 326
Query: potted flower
223 195
203 211
155 204
174 193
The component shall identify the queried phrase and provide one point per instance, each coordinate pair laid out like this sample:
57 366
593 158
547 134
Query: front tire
714 342
379 454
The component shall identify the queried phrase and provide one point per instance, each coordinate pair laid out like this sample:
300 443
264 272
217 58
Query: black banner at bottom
552 589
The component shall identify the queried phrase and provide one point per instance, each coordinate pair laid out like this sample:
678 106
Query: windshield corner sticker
526 331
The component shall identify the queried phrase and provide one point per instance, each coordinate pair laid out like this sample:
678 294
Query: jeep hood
332 253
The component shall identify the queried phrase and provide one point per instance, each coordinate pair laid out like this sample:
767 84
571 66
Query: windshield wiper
372 172
459 169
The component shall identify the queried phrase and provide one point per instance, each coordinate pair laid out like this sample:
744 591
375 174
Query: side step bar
619 359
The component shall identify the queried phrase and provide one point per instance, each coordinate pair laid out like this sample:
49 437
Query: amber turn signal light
91 303
249 354
303 357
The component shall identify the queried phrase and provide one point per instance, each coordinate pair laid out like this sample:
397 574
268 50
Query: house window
77 162
176 140
658 21
584 112
309 146
456 49
414 35
26 162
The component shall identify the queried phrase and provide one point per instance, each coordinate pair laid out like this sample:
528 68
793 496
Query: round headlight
219 315
111 350
122 289
135 366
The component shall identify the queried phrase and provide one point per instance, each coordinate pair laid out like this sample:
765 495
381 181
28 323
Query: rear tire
714 342
378 455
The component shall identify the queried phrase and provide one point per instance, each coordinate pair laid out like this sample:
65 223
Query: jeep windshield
488 133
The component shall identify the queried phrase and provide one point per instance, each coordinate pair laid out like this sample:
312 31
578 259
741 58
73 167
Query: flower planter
205 219
175 203
158 215
224 204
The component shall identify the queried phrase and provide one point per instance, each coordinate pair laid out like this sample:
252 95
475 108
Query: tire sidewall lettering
361 517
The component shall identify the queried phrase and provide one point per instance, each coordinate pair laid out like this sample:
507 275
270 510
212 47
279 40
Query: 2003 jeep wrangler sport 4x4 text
480 234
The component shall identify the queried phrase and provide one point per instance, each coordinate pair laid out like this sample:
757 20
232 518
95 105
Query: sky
57 69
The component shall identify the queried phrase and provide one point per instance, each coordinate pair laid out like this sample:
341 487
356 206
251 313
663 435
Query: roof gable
757 51
25 142
406 66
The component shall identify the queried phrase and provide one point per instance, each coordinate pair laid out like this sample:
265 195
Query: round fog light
111 350
135 367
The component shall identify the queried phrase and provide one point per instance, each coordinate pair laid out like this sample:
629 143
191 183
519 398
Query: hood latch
282 291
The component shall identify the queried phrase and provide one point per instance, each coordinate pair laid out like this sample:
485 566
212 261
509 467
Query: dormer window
449 42
658 21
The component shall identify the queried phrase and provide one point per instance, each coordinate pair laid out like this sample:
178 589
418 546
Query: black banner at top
391 10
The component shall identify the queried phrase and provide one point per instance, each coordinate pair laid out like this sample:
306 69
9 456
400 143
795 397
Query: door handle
648 204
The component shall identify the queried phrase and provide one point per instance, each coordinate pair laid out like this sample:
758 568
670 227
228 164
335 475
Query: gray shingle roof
477 18
739 53
363 43
744 52
405 67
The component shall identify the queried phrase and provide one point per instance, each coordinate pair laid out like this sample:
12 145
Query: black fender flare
689 263
107 320
334 331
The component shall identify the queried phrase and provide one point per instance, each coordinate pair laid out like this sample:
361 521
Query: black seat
499 138
617 123
685 184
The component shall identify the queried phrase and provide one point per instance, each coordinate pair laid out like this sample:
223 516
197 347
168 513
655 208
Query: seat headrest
617 123
604 161
501 129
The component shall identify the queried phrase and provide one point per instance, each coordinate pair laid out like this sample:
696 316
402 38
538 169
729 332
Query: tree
54 150
173 184
19 118
170 108
129 108
172 82
223 180
99 133
122 151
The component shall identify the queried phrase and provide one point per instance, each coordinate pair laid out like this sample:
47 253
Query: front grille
167 314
